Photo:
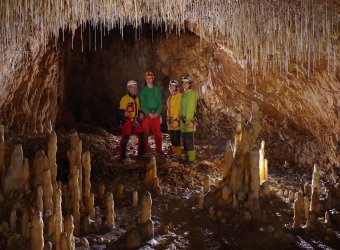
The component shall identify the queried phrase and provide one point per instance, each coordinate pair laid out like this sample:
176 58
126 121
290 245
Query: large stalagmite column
16 177
39 165
76 202
37 231
262 163
69 228
39 199
314 203
145 221
52 160
237 135
151 181
254 183
298 209
59 218
79 149
110 214
87 183
316 177
48 191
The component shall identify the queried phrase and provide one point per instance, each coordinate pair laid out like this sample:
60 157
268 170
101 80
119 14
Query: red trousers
128 129
156 130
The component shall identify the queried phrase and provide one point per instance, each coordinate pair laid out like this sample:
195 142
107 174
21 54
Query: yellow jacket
174 110
131 104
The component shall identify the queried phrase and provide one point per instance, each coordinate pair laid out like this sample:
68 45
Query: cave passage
95 74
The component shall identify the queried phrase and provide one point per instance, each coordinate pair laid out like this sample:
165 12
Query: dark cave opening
95 74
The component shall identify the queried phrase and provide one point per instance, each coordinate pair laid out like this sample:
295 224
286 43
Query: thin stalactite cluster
265 35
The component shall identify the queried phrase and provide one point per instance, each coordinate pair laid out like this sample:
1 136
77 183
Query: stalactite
245 26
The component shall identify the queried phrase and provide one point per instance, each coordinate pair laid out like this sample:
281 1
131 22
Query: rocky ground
179 224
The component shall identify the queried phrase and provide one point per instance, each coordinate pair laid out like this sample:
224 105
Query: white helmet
130 83
174 82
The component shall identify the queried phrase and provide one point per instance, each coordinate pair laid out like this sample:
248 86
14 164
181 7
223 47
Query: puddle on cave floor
188 226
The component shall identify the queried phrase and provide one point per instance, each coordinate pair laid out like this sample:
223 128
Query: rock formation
151 181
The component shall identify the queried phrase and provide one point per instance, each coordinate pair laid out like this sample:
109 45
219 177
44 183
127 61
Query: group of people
139 114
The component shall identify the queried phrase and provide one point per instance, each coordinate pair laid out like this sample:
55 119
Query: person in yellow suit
173 117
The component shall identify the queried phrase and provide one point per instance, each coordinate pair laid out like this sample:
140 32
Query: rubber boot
191 156
177 151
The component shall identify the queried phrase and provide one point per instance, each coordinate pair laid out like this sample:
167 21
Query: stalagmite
24 223
255 179
307 189
237 135
50 226
265 190
314 203
37 231
316 177
64 242
306 207
58 218
52 159
110 215
327 218
17 173
87 182
226 193
119 191
69 228
151 181
135 199
145 221
291 196
47 191
298 210
40 164
39 200
76 202
262 163
79 148
206 186
92 210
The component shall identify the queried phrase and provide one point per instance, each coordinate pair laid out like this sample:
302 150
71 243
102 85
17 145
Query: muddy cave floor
189 227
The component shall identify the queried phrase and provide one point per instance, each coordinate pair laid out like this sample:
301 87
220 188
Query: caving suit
174 111
130 103
151 101
188 109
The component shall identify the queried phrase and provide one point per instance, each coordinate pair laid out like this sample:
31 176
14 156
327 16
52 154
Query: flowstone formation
240 187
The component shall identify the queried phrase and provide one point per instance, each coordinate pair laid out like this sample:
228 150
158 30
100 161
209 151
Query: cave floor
179 224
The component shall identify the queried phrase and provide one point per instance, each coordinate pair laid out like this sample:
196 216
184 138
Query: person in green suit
188 109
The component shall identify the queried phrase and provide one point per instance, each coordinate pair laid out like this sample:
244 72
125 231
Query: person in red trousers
130 112
151 102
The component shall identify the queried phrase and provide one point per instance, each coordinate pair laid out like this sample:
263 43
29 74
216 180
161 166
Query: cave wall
71 88
30 88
